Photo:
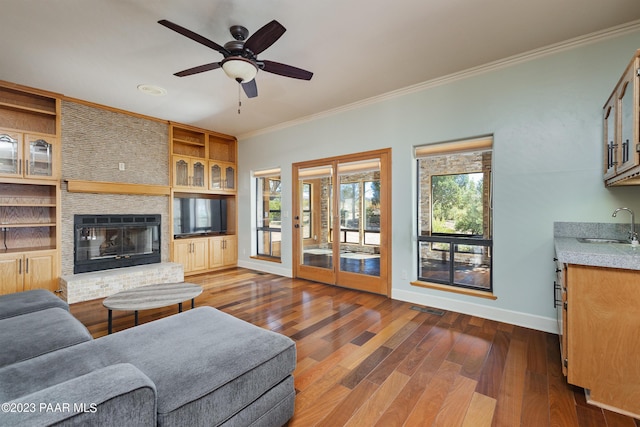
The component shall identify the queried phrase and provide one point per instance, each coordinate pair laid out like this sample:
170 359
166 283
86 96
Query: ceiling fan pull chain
239 101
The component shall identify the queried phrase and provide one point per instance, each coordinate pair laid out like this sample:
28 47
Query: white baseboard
526 320
265 266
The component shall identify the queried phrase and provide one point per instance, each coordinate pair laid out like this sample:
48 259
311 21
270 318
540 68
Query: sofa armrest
115 395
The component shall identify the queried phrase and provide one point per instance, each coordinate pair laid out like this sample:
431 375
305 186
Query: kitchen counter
613 255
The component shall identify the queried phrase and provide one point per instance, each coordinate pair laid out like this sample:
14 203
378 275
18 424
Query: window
454 214
268 214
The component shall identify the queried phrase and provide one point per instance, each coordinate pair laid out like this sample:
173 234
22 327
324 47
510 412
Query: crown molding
491 66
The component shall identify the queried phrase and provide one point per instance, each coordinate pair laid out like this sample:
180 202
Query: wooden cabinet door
182 254
11 270
610 127
40 271
603 341
216 259
230 251
200 255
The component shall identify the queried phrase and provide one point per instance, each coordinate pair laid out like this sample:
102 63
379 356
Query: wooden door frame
351 280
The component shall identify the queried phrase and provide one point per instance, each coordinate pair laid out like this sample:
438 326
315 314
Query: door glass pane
314 216
216 177
360 217
182 173
40 158
8 154
198 174
230 178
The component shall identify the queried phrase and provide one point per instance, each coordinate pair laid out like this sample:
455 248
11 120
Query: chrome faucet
633 236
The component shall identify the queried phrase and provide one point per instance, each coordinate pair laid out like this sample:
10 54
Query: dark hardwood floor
366 360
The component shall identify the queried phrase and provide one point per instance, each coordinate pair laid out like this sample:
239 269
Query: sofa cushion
39 332
28 302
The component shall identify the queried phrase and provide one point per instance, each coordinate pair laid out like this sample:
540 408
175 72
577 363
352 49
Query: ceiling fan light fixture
240 69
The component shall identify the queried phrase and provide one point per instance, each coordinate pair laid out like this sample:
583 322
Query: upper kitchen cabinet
203 161
621 129
222 163
29 129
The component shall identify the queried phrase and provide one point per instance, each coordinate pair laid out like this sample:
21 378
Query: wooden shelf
78 186
29 225
28 205
188 142
27 109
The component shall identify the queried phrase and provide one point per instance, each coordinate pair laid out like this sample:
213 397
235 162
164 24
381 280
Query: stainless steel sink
600 240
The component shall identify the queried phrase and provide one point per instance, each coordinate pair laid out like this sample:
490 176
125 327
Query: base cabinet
24 272
193 254
201 254
602 340
223 251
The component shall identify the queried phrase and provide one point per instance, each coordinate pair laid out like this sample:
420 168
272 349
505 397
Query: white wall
545 115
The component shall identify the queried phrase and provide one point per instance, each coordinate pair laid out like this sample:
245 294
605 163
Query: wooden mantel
78 186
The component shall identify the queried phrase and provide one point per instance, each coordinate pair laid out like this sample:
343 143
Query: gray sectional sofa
201 367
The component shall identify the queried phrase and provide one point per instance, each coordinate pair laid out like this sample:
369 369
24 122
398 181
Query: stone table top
152 296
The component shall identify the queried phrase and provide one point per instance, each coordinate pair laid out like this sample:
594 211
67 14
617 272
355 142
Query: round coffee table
151 296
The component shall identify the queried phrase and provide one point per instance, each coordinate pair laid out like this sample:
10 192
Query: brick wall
94 142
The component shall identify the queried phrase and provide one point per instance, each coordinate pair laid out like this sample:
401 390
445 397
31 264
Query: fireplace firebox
104 242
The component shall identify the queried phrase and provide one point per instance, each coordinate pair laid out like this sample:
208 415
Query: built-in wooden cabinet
30 162
621 127
599 335
26 271
204 165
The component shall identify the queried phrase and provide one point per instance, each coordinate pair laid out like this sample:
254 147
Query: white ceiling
101 50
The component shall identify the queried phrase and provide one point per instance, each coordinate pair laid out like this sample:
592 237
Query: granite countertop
613 255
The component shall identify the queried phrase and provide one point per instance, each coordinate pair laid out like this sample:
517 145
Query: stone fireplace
95 142
104 242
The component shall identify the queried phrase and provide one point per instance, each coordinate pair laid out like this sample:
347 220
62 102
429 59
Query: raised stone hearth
100 284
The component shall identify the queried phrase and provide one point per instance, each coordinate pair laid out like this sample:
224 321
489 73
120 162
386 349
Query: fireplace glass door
103 242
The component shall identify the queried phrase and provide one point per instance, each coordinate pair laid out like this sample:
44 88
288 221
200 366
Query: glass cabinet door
181 173
40 158
216 177
10 153
198 174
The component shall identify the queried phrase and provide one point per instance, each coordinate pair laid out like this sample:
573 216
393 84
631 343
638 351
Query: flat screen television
192 216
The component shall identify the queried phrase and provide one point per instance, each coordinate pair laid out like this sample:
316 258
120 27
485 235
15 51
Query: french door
342 221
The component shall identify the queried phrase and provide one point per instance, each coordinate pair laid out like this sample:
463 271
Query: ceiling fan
240 60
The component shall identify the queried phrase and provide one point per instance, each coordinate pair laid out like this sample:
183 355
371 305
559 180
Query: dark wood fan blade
198 69
286 70
264 37
193 36
250 88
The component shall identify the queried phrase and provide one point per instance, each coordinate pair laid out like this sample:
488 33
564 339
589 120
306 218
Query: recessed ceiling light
152 90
